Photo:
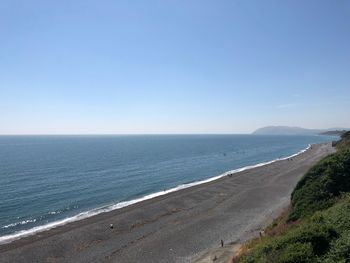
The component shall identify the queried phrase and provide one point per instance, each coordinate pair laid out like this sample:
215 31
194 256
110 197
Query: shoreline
7 239
177 226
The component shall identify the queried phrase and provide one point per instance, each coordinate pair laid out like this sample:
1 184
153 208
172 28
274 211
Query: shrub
340 249
319 187
344 143
338 216
297 252
303 243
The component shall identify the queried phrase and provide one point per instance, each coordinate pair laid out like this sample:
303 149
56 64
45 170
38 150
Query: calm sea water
47 179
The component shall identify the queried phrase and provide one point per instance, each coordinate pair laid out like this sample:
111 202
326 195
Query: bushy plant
305 242
339 250
321 185
297 252
338 216
344 143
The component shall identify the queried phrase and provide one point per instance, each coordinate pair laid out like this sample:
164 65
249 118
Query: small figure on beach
222 243
111 226
262 233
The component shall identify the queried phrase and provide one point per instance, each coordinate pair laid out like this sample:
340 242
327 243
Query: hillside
316 228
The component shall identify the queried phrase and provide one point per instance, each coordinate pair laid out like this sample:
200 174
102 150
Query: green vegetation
317 226
323 237
320 187
344 143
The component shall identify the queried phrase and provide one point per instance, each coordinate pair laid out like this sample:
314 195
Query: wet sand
177 227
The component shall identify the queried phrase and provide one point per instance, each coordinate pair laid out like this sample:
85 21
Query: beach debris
111 226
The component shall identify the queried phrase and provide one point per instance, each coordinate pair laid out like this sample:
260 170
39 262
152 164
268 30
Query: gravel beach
177 227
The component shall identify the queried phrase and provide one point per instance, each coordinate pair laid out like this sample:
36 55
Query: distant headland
287 130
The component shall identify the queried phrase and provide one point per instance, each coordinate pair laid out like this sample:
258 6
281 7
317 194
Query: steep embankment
317 226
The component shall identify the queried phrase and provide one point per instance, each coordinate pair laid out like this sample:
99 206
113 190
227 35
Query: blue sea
46 181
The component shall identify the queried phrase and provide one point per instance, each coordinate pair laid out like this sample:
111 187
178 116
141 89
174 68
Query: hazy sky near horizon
199 66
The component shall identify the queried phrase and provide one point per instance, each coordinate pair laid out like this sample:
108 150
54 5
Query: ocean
47 181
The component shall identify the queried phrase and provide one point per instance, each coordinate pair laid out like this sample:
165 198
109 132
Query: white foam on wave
23 222
24 233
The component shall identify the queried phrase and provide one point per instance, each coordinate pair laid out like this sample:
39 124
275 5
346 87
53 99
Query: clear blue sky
177 66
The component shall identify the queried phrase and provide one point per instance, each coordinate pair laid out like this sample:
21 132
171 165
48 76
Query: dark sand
176 227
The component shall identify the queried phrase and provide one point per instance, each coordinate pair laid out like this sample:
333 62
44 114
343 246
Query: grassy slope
317 226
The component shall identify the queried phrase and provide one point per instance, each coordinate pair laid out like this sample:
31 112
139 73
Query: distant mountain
286 130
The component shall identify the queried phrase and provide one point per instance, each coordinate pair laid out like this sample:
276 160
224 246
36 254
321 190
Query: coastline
6 239
91 240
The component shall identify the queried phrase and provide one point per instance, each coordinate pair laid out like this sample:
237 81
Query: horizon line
111 134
